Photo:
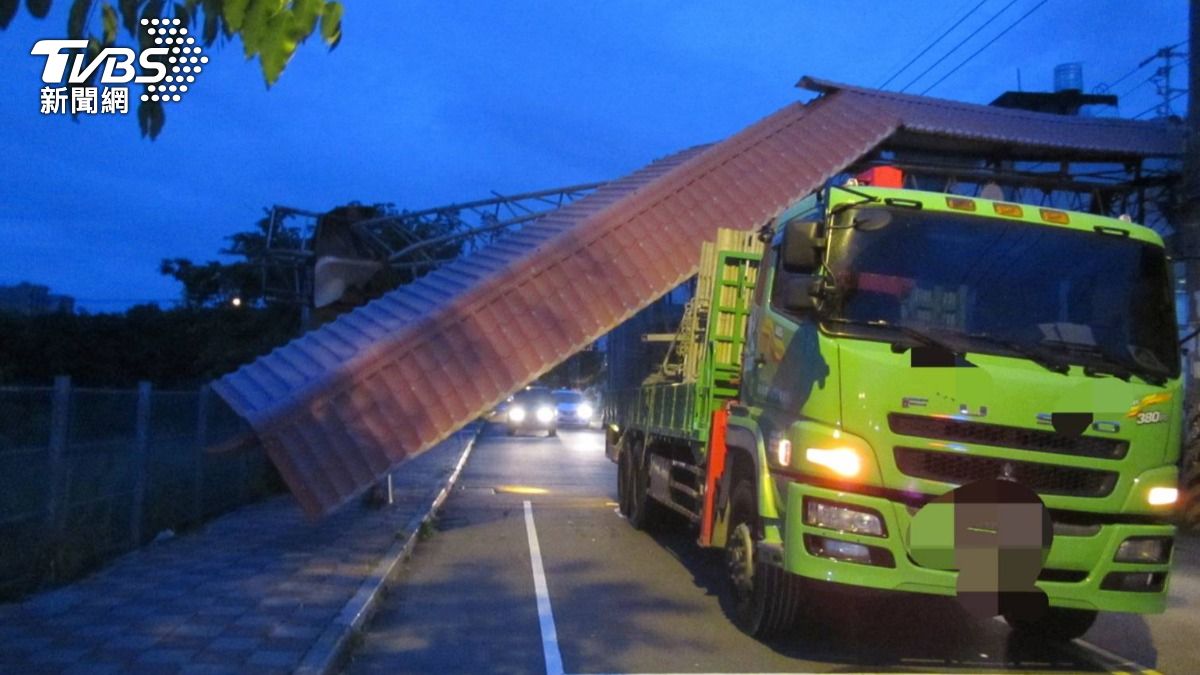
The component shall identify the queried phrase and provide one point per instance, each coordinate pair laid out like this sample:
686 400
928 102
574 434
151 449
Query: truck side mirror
799 293
801 250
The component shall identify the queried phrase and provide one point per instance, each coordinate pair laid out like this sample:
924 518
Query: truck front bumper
1079 573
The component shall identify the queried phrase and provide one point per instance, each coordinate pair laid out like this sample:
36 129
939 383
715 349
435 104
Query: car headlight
517 414
584 410
545 414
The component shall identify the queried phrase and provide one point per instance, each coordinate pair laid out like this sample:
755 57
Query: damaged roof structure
340 406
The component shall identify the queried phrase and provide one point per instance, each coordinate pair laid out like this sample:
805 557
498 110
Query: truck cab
905 343
903 346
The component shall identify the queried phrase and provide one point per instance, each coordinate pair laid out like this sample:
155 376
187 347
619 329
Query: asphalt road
618 600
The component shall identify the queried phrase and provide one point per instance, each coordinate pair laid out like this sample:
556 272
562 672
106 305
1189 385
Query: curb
334 643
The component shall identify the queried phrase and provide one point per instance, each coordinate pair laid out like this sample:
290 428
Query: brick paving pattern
249 592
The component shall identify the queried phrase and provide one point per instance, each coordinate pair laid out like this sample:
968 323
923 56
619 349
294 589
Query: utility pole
1162 76
1189 212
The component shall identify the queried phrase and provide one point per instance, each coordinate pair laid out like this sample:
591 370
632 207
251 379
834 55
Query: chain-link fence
87 474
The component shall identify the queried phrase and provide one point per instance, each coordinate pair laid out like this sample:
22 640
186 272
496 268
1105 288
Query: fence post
140 443
201 444
56 507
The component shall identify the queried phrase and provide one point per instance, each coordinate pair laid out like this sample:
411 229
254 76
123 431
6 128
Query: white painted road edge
333 646
554 664
1113 662
1103 658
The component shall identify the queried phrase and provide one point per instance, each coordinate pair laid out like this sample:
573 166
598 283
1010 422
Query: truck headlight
1162 496
1144 550
842 461
842 517
584 411
516 414
545 414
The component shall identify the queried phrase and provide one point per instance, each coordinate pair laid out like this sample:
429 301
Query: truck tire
765 599
1058 624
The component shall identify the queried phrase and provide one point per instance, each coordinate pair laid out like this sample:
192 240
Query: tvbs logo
167 70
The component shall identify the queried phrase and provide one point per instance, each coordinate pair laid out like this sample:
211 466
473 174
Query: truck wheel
766 600
1057 624
623 497
645 513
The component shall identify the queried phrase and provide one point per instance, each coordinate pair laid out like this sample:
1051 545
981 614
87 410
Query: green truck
872 350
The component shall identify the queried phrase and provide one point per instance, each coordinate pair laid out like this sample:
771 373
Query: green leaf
235 13
108 17
254 25
331 24
38 8
278 45
8 9
152 10
77 20
307 12
211 26
151 118
129 15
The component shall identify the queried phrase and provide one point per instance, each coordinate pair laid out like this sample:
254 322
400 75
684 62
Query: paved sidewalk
250 592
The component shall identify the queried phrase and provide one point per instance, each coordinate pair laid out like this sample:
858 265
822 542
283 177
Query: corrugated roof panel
383 399
1086 135
413 304
462 341
348 465
296 467
398 312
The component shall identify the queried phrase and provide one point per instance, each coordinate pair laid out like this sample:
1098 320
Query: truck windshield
1098 300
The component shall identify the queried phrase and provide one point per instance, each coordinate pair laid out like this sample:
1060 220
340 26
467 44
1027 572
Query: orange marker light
960 203
1011 210
1056 217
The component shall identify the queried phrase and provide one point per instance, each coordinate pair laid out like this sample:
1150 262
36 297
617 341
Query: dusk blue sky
425 103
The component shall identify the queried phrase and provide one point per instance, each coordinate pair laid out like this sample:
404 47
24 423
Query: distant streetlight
236 302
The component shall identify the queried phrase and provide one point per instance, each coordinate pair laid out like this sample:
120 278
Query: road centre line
554 664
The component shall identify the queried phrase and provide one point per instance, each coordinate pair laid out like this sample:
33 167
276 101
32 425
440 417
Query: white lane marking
554 664
1117 662
1102 657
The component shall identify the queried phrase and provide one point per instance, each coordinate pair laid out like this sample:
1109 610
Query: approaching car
532 409
574 410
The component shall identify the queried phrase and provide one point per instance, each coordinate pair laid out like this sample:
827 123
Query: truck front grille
959 469
1038 440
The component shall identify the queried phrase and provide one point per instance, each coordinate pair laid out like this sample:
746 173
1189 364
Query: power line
1139 85
1162 52
960 44
1108 87
931 45
1119 80
989 44
1156 106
